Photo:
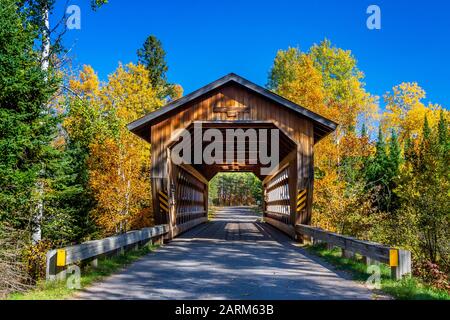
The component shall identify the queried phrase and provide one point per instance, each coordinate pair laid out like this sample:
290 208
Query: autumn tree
117 161
326 80
405 110
422 221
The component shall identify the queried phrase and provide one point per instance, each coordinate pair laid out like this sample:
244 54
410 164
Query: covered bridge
253 123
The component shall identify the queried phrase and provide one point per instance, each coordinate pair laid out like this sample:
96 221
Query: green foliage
38 169
233 189
27 125
153 57
95 4
382 171
68 199
424 195
280 72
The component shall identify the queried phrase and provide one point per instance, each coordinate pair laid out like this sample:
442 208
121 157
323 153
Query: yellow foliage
129 93
87 84
119 179
326 81
35 259
406 112
119 161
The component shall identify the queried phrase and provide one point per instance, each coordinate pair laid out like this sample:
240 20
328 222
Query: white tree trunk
37 230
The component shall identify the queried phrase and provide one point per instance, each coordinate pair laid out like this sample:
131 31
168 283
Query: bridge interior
191 180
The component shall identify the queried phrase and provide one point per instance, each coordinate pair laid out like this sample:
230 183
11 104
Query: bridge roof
322 125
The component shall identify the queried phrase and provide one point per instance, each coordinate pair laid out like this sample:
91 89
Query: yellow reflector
60 258
301 193
163 195
393 257
163 201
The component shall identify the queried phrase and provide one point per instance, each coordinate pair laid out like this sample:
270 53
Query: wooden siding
233 102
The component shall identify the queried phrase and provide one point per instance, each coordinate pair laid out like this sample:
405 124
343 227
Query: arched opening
233 164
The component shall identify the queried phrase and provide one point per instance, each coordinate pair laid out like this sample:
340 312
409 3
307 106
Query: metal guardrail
59 259
399 260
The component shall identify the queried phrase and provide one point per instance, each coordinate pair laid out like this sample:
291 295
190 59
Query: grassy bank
407 289
58 290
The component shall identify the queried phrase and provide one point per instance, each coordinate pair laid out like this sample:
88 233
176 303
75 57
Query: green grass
57 290
409 288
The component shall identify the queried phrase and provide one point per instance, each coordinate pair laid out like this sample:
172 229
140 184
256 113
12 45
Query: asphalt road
232 257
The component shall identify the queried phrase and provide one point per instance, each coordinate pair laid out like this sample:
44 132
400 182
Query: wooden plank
91 249
179 229
194 172
288 229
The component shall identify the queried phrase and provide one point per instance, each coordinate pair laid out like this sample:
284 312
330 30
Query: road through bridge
234 256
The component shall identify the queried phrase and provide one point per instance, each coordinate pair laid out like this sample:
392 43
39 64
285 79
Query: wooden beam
288 229
189 168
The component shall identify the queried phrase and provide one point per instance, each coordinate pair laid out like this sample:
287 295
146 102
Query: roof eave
137 125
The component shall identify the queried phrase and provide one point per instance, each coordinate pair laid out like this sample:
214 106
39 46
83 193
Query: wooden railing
399 260
59 259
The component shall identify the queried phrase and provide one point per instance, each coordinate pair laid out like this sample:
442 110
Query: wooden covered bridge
180 190
193 266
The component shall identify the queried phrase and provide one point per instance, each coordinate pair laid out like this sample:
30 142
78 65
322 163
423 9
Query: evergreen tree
153 57
26 125
383 170
408 149
394 154
363 131
376 171
443 140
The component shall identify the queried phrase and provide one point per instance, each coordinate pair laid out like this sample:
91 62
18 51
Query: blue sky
205 40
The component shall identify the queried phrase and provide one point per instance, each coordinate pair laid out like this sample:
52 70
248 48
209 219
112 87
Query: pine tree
26 126
27 129
394 154
408 150
444 143
363 131
153 57
381 171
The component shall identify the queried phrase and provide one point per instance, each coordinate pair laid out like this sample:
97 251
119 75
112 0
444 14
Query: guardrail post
403 265
94 263
370 261
348 254
52 271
